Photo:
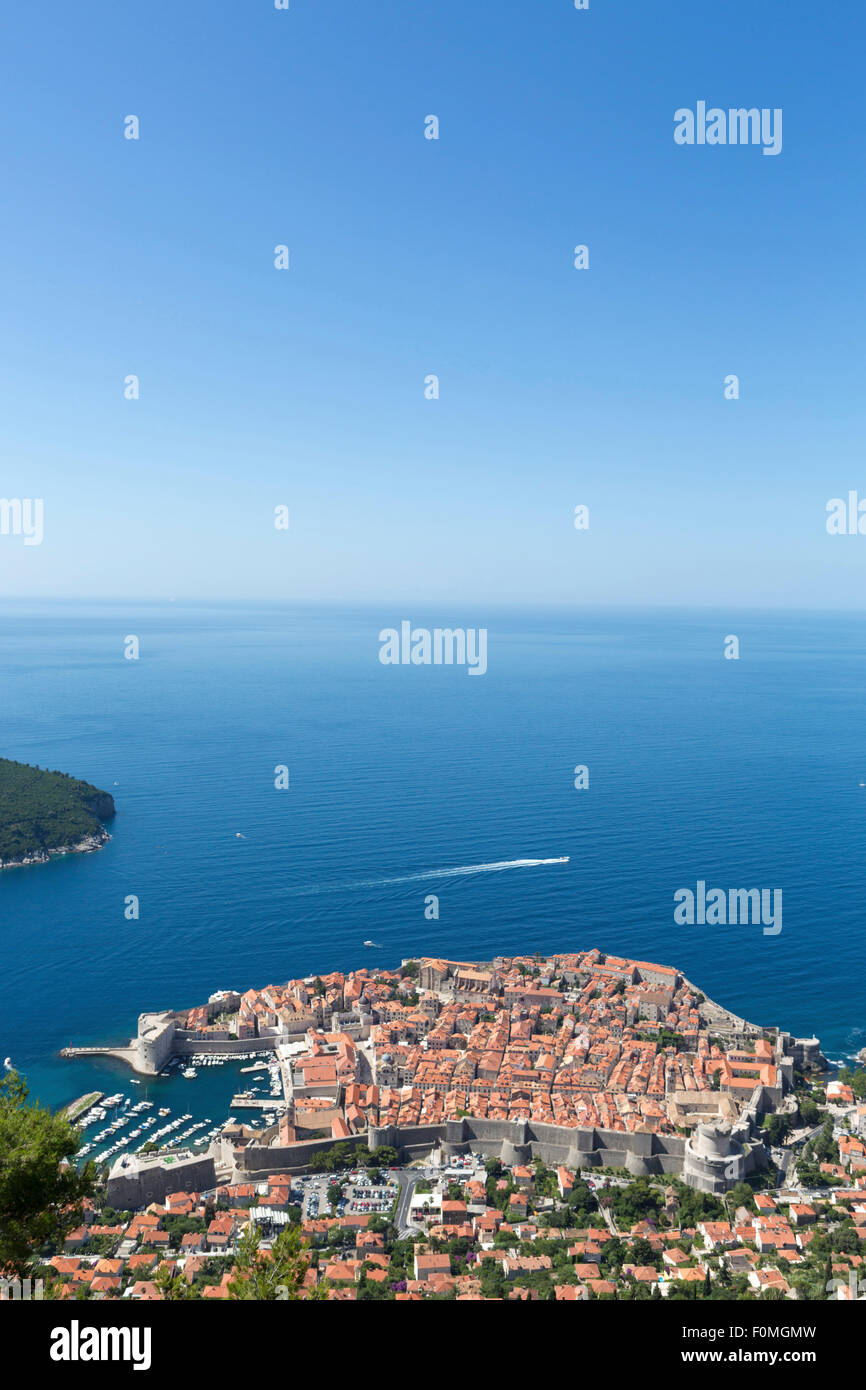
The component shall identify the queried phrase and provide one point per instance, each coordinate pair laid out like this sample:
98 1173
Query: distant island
48 813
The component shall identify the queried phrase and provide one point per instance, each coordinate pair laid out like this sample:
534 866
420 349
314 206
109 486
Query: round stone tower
714 1159
511 1154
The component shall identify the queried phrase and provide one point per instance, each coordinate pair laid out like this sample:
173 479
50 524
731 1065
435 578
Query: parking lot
312 1195
359 1194
362 1198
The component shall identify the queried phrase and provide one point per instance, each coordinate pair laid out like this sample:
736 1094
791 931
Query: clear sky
411 257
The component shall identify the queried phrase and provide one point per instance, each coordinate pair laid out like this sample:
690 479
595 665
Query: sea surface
747 773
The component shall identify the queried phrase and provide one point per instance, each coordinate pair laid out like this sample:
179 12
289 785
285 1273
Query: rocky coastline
84 846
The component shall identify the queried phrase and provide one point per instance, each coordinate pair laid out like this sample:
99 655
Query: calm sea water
744 773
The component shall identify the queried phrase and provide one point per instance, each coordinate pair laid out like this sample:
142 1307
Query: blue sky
411 257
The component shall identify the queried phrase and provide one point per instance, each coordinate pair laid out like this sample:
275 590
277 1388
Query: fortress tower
714 1159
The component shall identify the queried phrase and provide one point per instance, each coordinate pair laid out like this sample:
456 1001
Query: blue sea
746 773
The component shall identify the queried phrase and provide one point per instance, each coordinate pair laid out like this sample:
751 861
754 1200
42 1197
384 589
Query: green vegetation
348 1154
821 1148
43 811
810 1110
40 1190
777 1128
276 1275
694 1206
741 1195
638 1202
180 1226
856 1079
665 1038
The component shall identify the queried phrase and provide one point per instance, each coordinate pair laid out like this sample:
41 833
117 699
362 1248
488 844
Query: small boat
189 1072
374 944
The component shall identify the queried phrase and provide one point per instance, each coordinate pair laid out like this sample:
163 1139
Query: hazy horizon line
403 604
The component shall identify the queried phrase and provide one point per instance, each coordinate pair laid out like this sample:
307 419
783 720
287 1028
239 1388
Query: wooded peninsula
48 813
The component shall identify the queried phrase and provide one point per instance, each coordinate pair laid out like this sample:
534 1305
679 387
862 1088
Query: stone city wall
134 1183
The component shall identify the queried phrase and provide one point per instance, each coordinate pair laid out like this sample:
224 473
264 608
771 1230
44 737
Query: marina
167 1112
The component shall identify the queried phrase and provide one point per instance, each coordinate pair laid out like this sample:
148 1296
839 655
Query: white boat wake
429 874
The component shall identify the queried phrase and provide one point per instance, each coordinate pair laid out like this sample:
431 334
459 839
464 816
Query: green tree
741 1195
386 1156
40 1189
642 1253
635 1202
855 1079
777 1128
272 1276
822 1148
493 1281
173 1285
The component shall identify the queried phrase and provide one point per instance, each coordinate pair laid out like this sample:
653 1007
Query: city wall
522 1142
136 1182
189 1045
642 1154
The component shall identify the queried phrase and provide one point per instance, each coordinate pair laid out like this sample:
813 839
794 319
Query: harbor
186 1106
